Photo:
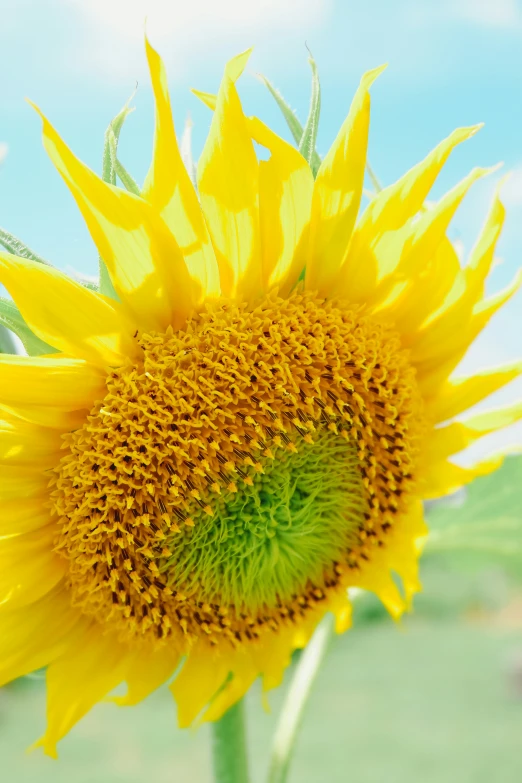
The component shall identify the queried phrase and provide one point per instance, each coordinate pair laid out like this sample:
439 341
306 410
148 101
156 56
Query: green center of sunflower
263 544
232 479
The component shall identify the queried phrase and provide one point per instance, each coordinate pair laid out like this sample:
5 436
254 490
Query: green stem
297 697
229 747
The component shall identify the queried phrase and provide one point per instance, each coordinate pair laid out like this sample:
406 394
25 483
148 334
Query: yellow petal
443 345
24 444
29 568
69 384
402 256
389 211
424 293
482 254
396 204
146 671
304 630
285 197
273 655
67 315
400 554
448 440
493 420
169 189
376 578
21 482
145 263
341 607
22 516
445 477
459 394
469 284
56 418
228 188
32 639
244 672
462 298
89 668
405 551
203 673
208 98
337 192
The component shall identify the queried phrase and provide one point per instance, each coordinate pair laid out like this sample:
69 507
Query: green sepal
295 127
106 287
309 134
110 146
7 343
11 318
307 144
15 246
118 168
115 126
373 178
85 281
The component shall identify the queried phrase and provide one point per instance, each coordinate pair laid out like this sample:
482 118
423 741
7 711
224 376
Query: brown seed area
208 409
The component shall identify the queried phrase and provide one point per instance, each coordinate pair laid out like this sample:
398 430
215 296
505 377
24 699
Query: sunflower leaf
15 246
11 318
309 135
486 528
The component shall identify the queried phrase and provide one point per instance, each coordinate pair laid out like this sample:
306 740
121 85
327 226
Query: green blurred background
437 698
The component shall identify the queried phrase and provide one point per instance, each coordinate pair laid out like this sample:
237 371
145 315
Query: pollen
231 480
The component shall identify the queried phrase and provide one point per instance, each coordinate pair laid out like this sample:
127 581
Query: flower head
198 469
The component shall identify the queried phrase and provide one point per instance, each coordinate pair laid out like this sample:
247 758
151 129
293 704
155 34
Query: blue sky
451 62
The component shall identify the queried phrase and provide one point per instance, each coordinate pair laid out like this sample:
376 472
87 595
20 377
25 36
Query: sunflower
197 469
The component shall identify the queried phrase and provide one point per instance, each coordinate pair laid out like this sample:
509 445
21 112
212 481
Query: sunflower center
264 544
236 475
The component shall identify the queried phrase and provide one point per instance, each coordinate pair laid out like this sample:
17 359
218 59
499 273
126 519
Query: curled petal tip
33 105
496 167
148 45
380 68
236 65
370 76
484 171
502 181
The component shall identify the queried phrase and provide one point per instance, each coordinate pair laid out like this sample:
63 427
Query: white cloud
489 13
500 14
185 30
512 190
4 148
